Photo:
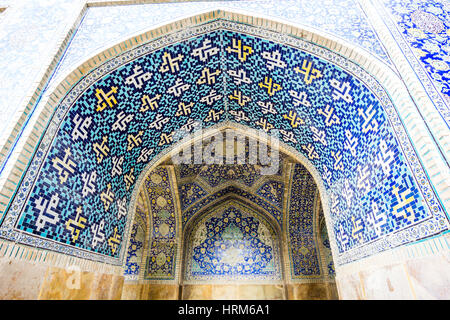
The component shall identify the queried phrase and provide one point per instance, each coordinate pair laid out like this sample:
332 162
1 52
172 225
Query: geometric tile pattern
300 225
232 243
132 263
216 174
112 123
343 18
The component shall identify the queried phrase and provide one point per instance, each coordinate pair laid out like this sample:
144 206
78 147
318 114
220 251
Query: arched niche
122 115
232 244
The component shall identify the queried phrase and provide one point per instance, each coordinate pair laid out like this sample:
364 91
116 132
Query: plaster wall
422 277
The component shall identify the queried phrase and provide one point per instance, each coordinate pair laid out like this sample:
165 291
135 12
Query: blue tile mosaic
273 192
324 238
190 193
342 18
134 253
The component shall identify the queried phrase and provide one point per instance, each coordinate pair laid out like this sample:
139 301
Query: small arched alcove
232 252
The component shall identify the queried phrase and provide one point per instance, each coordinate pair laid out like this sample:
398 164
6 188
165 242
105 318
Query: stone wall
417 272
21 280
149 291
305 291
418 276
233 292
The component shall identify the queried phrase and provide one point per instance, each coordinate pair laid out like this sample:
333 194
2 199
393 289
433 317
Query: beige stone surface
20 280
390 282
332 291
307 291
349 287
101 285
62 284
238 292
197 292
162 292
106 287
430 277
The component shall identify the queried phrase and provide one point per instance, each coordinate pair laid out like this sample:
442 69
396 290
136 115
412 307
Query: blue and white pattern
119 117
422 30
343 18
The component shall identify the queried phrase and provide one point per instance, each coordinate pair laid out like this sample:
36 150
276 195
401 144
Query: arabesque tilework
422 30
232 243
190 193
324 239
273 192
115 120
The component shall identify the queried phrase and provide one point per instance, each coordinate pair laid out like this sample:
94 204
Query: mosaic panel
232 243
216 174
300 225
273 192
120 116
241 169
424 33
161 259
231 190
190 193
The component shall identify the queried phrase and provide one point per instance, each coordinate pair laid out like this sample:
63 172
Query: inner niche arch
232 243
115 120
